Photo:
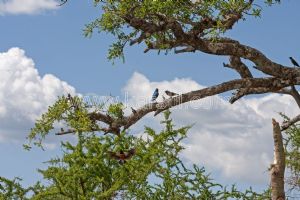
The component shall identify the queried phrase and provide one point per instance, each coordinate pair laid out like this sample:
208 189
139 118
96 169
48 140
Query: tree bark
278 167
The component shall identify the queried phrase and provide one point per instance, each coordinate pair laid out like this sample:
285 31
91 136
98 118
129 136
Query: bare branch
289 123
295 94
239 66
110 129
246 91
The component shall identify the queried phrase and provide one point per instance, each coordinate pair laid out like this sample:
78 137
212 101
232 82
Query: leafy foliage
86 170
186 12
70 111
12 189
116 110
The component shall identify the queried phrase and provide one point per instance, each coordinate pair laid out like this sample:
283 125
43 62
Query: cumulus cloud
234 140
24 94
26 6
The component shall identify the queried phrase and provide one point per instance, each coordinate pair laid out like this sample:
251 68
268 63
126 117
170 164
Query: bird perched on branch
169 93
122 156
133 110
155 94
294 62
74 103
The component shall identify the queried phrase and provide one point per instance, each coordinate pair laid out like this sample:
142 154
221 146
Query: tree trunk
278 167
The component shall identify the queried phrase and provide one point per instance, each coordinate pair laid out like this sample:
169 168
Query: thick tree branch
114 125
246 91
270 83
230 48
236 49
190 41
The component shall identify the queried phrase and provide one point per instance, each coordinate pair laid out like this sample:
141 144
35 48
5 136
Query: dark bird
294 62
74 103
155 94
170 93
69 97
133 110
122 156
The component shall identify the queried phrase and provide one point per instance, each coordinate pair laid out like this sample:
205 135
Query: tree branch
192 35
114 125
222 46
296 95
236 49
233 17
278 167
246 91
289 123
239 66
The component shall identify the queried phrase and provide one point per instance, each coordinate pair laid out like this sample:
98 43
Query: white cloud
24 94
234 140
26 6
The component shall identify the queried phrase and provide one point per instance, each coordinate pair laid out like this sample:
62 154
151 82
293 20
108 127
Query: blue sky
53 38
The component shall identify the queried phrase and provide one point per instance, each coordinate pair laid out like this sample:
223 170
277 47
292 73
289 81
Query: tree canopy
87 171
170 24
